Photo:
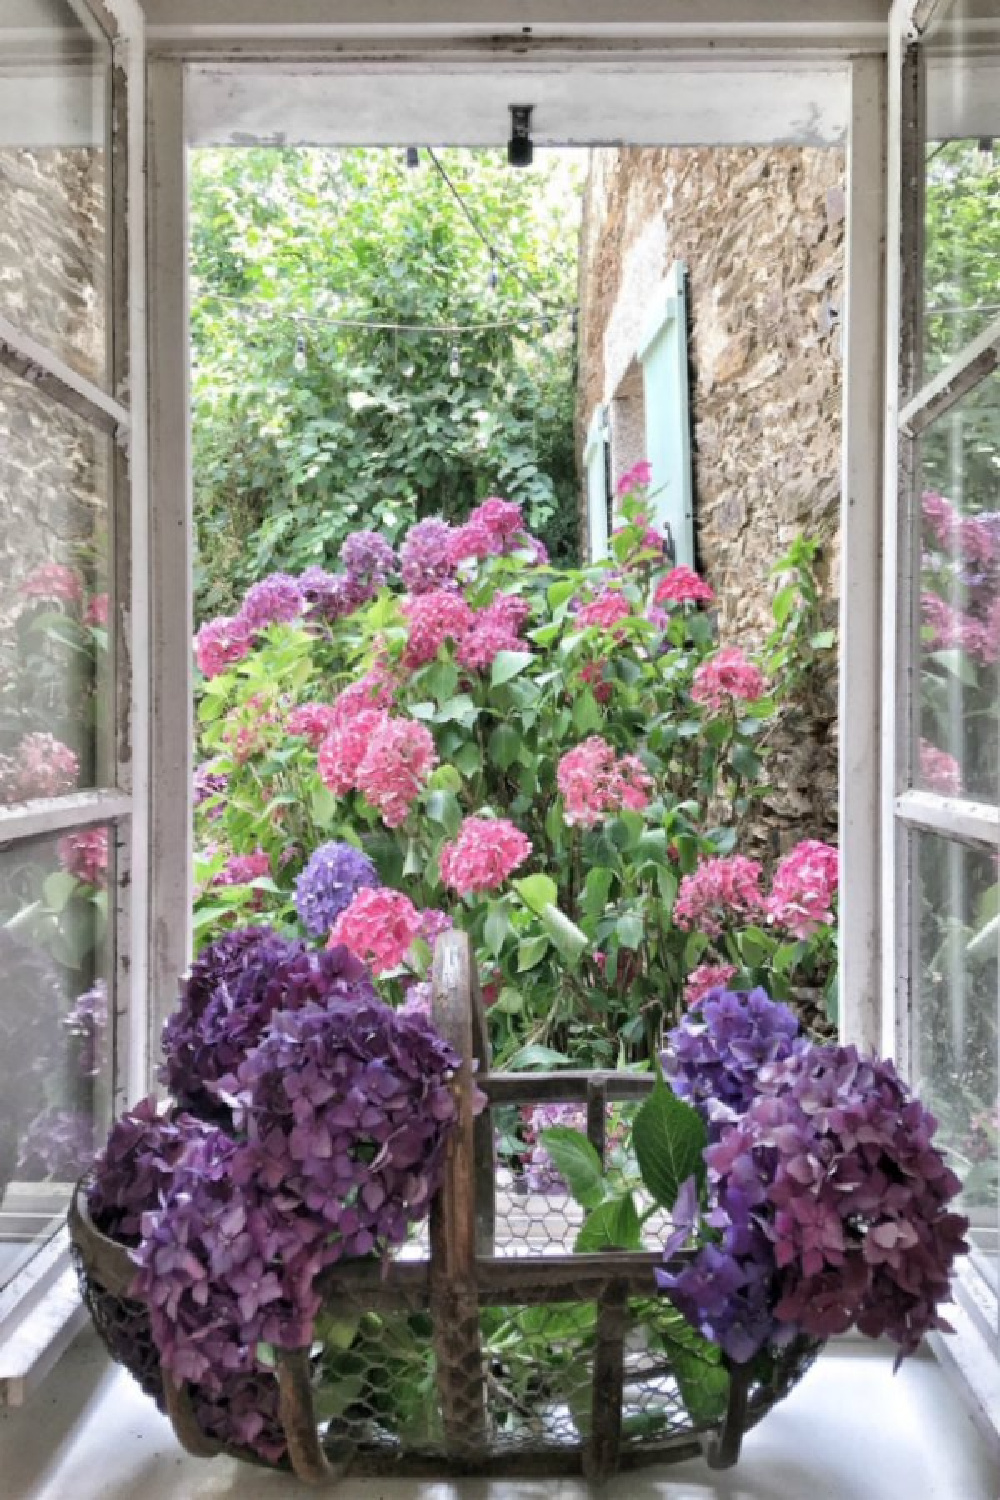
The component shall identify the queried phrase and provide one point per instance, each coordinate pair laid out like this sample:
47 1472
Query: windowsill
851 1431
47 1318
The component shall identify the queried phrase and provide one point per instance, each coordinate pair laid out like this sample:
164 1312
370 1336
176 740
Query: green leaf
587 713
468 759
570 941
614 1225
442 807
668 1137
531 951
538 1058
537 892
458 710
746 762
597 889
823 640
497 926
57 889
957 663
503 746
576 1160
509 664
630 928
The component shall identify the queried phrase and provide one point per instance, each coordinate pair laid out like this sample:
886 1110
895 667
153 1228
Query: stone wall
761 232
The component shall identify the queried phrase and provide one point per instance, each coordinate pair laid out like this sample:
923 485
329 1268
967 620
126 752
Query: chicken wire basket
487 1346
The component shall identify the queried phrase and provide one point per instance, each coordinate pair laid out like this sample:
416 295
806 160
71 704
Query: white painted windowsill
851 1431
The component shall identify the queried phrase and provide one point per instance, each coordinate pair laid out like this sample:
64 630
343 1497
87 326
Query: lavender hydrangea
347 1111
829 1211
332 596
87 1024
713 1056
136 1166
425 556
329 883
277 599
209 783
58 1145
368 557
236 988
541 1174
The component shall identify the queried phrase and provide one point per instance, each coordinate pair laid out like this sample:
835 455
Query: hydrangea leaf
509 664
577 1162
669 1138
613 1225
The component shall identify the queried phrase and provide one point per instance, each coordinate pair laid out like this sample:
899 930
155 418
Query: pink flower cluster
723 678
706 978
968 537
311 721
502 520
45 767
939 771
593 675
805 888
718 893
374 690
379 927
53 581
606 611
683 586
494 629
433 617
483 855
240 869
220 643
595 782
96 612
947 628
85 856
387 760
636 478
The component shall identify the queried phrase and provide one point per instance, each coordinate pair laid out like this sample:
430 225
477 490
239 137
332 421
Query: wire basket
487 1346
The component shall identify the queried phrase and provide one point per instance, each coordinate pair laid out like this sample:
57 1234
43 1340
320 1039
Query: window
596 463
663 353
67 637
943 669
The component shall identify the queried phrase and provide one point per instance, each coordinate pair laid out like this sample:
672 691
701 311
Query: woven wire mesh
124 1329
539 1370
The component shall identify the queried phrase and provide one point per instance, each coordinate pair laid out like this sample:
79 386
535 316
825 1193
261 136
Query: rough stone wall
761 232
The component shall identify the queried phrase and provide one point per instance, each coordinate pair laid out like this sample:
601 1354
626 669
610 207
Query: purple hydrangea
209 783
275 600
235 989
329 883
714 1054
87 1023
829 1211
58 1145
541 1174
333 596
369 557
347 1111
136 1166
425 556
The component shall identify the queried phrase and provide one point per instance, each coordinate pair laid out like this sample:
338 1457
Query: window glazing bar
29 820
45 370
977 360
953 817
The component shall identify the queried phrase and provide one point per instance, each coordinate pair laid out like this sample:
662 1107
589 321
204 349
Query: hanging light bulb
455 363
299 360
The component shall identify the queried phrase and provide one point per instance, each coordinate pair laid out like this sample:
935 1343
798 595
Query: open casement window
942 773
69 642
596 463
663 354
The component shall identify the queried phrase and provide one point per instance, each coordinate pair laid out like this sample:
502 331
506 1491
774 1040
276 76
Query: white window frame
40 1309
663 354
909 407
595 473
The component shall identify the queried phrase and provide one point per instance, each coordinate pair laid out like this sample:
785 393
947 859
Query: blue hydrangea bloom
328 884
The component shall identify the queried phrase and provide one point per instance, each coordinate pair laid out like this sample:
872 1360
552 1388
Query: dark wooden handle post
722 1447
454 1298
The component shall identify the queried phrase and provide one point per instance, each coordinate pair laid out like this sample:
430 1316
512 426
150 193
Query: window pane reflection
959 722
53 182
958 943
54 480
54 1029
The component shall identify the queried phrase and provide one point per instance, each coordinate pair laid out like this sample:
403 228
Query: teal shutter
663 355
595 465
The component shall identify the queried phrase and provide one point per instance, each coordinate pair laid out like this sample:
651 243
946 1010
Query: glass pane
958 998
54 1029
54 182
54 483
959 721
962 199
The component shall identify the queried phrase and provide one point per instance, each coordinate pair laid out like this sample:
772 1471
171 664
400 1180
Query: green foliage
375 431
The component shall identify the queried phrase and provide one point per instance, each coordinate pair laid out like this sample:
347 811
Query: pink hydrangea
494 629
85 856
433 618
939 771
946 628
343 750
975 541
97 611
724 677
53 581
704 979
720 893
635 478
311 721
472 543
502 519
275 600
683 586
595 782
805 888
221 642
240 869
607 610
432 924
45 767
940 518
374 690
483 855
398 760
378 927
593 675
